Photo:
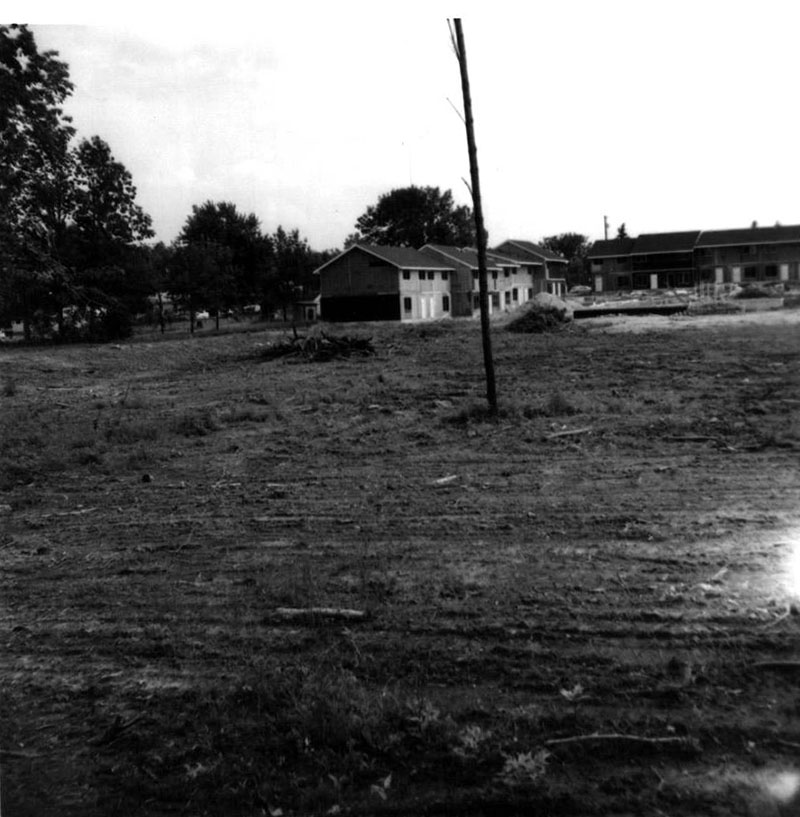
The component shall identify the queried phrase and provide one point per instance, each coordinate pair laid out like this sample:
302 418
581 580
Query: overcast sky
665 116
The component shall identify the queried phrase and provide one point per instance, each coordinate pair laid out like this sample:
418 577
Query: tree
34 139
69 224
110 271
574 247
414 216
106 214
480 231
291 276
622 232
200 276
237 258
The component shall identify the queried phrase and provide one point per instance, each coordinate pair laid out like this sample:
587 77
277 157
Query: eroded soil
612 557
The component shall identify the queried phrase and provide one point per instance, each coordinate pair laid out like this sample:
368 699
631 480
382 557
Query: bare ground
586 606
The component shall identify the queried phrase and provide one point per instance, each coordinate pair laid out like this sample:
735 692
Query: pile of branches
320 347
538 319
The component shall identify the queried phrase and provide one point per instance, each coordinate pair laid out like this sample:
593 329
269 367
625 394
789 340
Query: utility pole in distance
605 226
483 286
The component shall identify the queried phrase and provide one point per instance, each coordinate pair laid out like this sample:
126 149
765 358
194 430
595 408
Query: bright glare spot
783 786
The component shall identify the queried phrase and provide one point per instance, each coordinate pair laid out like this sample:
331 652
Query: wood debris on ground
320 347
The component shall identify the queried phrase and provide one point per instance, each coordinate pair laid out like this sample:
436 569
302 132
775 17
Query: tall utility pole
483 286
605 226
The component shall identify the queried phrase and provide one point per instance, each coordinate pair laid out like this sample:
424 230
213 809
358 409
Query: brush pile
545 313
320 347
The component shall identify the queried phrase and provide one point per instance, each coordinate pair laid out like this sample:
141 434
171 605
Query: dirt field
586 607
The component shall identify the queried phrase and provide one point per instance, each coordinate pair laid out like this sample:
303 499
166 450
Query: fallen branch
115 730
11 753
79 512
780 666
782 617
568 433
700 438
693 438
334 613
682 744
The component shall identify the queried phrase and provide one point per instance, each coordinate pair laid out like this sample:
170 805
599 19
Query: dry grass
167 498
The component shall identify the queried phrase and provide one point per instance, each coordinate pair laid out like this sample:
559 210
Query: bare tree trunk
483 286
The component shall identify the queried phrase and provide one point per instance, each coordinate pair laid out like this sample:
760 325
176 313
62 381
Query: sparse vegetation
596 572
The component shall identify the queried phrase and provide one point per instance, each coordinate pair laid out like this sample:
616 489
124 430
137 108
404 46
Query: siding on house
464 263
367 282
547 268
509 281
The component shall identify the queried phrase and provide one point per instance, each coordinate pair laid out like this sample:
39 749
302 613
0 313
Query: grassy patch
127 432
288 737
196 423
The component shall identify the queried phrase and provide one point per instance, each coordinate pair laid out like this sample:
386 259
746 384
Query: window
530 293
515 294
407 306
431 275
421 275
406 275
445 303
445 275
495 300
494 275
750 273
508 298
771 271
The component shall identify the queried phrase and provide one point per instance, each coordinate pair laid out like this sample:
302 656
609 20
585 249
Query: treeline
74 262
221 262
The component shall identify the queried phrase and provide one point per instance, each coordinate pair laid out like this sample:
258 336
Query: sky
659 115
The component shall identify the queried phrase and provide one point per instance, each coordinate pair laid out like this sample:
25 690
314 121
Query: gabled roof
505 260
652 243
400 257
611 247
751 235
527 250
467 256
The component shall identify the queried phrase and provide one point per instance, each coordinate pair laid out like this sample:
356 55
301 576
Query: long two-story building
367 282
686 259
